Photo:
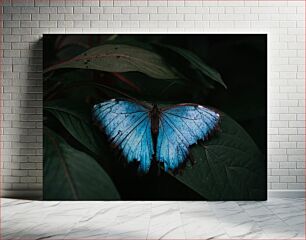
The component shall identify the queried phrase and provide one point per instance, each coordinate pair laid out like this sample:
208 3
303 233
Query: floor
273 219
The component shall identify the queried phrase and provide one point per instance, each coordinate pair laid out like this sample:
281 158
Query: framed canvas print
155 117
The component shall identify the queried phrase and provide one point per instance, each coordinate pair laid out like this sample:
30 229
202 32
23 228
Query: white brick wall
24 22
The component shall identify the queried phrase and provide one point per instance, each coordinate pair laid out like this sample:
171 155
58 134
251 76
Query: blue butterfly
144 132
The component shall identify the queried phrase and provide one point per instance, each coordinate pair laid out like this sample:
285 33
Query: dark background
241 59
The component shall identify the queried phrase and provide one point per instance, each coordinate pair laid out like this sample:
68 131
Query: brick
288 179
158 3
139 17
21 31
148 24
204 11
48 9
73 3
188 10
65 24
6 172
96 10
11 53
221 24
6 16
31 24
300 165
122 3
81 24
166 10
230 17
195 17
81 10
11 38
30 10
279 186
19 173
130 24
11 9
36 173
98 24
57 17
121 17
161 17
287 145
300 179
129 10
28 179
296 172
287 165
64 10
194 3
105 17
273 179
58 3
21 16
138 3
296 186
10 179
47 24
95 3
242 10
273 165
6 31
267 10
280 172
182 25
147 9
73 17
168 24
216 9
108 10
11 24
42 2
176 17
231 3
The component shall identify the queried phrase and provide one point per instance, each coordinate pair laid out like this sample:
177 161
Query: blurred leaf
161 89
67 40
228 167
119 58
130 83
69 51
79 127
71 174
196 63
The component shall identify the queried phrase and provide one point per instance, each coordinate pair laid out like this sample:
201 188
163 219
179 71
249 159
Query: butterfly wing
179 127
128 126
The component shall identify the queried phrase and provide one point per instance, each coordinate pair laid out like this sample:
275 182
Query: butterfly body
154 115
145 132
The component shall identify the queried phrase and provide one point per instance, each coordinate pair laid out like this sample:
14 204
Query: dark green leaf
71 174
228 167
77 126
119 58
197 63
